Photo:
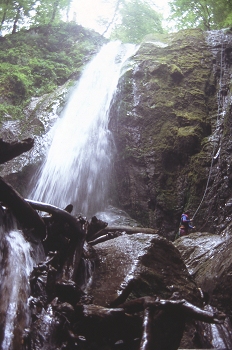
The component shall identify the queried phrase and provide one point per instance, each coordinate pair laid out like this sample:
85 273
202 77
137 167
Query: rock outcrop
171 120
208 259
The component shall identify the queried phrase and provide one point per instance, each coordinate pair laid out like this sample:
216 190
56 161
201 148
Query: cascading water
78 164
16 263
76 170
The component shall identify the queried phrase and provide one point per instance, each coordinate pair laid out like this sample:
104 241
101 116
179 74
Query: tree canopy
204 14
136 19
19 13
132 19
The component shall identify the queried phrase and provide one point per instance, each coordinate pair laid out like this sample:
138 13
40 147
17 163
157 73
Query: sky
87 12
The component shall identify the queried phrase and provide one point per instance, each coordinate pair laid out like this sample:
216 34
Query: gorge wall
171 120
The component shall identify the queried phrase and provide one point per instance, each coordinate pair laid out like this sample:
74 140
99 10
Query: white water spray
78 163
16 265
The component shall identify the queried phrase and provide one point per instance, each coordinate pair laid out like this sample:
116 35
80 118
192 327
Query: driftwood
11 150
180 306
70 250
61 214
22 210
164 320
127 229
162 326
107 237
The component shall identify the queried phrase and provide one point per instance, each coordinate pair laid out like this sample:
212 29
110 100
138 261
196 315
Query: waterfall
78 164
16 263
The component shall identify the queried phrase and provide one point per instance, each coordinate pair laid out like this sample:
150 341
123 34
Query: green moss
189 116
10 110
167 198
187 131
171 119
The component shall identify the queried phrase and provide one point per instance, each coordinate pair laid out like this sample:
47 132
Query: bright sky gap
89 12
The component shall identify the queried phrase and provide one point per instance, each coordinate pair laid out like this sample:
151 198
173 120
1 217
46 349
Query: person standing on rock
185 224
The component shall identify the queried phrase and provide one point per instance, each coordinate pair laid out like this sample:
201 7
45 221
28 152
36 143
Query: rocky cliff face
171 121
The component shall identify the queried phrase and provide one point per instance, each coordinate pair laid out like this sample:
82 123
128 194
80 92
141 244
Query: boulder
140 265
209 261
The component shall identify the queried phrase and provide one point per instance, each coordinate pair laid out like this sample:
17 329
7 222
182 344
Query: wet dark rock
166 122
138 265
126 268
217 336
94 226
67 290
65 308
106 326
209 261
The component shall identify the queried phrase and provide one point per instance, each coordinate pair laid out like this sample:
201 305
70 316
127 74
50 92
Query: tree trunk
127 229
16 19
59 214
54 12
22 210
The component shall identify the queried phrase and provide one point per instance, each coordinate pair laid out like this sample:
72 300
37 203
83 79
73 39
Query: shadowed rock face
167 123
209 261
159 122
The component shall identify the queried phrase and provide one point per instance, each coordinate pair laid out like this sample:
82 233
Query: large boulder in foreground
140 265
209 261
137 265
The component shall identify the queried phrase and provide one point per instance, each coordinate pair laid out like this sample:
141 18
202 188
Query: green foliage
137 20
16 14
204 14
8 109
14 82
37 61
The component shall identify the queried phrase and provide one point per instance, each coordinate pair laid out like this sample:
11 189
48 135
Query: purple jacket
185 221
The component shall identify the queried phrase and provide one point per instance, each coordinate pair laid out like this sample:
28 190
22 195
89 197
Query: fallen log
182 305
107 237
23 212
77 226
162 326
11 150
127 229
164 320
60 214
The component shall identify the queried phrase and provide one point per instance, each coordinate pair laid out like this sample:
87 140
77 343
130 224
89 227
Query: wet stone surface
144 264
209 261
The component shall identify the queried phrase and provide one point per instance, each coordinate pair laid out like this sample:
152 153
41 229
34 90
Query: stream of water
17 258
79 161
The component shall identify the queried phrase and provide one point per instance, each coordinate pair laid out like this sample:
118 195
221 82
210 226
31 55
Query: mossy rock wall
163 120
